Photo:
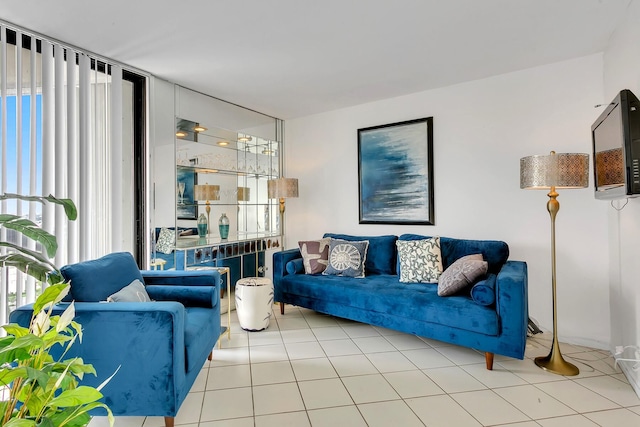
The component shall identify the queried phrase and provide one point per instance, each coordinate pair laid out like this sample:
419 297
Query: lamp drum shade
282 188
244 194
564 170
206 192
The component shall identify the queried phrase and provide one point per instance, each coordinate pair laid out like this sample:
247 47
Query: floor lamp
566 170
281 189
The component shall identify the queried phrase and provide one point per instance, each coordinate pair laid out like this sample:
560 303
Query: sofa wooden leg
210 356
281 307
488 357
168 421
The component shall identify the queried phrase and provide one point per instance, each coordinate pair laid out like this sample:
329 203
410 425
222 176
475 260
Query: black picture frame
187 208
395 173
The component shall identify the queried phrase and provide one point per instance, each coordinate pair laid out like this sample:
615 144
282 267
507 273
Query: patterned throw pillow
165 241
420 260
347 258
315 254
463 272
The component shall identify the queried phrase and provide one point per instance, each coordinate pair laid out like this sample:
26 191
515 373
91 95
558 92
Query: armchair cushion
95 280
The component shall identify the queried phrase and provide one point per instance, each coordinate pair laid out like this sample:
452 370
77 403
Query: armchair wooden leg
168 421
488 357
210 356
281 307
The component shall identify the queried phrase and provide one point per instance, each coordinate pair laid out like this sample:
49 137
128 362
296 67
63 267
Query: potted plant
35 388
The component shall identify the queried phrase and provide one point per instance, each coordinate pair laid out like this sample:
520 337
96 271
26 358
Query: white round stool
254 301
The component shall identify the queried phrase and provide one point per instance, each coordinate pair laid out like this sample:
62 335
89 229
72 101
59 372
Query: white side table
254 303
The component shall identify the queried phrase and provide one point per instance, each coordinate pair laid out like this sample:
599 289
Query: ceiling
291 58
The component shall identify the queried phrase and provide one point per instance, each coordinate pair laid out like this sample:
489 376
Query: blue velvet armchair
157 348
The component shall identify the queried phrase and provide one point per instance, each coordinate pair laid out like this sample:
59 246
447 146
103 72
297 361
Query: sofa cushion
133 292
347 258
420 260
462 273
494 252
315 254
385 295
95 280
381 255
198 321
295 266
484 291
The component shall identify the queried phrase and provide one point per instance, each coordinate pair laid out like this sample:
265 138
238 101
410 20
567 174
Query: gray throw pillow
133 292
462 273
346 258
315 254
420 260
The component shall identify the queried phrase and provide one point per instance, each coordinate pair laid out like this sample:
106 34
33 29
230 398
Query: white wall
622 71
481 130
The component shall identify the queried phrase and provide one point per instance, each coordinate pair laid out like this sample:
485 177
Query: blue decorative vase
223 226
202 226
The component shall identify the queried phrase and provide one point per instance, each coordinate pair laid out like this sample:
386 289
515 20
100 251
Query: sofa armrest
189 296
280 260
512 300
182 277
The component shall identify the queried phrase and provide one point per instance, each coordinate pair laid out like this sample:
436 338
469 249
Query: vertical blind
60 134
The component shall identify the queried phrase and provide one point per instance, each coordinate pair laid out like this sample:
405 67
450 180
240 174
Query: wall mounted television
616 148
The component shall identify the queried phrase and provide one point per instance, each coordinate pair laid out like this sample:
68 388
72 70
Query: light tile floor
310 369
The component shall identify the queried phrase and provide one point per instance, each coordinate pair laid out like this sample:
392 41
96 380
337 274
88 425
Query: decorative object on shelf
186 181
566 170
206 192
244 194
282 188
395 172
203 226
223 226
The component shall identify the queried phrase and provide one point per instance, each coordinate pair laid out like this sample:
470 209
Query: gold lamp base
555 363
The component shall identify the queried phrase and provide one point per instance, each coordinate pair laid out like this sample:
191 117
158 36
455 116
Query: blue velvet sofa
497 325
158 348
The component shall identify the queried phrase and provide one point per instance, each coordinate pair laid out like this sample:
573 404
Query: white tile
374 345
225 404
201 380
297 335
320 320
268 353
489 408
410 384
461 355
297 419
357 364
530 372
339 347
230 356
313 369
614 418
229 377
386 332
498 377
406 342
149 422
239 338
304 350
335 417
571 420
277 398
119 421
288 323
441 411
390 362
189 411
237 422
326 393
427 358
577 397
392 413
617 391
272 373
635 409
369 388
620 377
534 402
330 333
454 379
360 331
265 338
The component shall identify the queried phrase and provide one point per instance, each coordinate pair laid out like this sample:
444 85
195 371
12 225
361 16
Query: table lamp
207 192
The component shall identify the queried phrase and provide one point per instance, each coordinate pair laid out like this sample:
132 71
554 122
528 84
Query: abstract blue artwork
395 170
186 207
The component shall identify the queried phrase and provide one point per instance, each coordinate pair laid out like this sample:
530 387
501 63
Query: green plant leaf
45 422
40 377
7 375
29 253
27 342
51 295
15 330
30 266
20 422
32 231
79 396
71 417
68 205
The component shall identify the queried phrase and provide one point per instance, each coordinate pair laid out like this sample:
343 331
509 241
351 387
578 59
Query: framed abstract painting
395 173
186 180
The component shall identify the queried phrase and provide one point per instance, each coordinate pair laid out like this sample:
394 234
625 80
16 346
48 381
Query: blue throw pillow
346 258
295 266
95 280
484 292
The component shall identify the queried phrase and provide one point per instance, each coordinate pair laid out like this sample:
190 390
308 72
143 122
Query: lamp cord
622 207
